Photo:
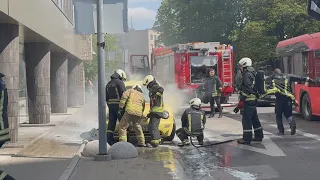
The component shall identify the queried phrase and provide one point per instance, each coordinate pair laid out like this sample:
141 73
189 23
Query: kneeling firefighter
4 124
248 102
156 108
114 91
193 120
131 108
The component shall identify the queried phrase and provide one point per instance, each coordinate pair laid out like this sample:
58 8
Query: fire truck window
200 66
316 54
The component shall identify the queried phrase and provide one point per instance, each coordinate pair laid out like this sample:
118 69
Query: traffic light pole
102 156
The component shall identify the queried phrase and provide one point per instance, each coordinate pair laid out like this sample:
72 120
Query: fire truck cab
187 67
301 56
139 65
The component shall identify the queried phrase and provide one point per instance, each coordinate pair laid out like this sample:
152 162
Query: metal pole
101 80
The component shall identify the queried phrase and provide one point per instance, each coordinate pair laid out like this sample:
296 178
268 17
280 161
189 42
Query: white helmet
147 80
137 86
245 62
122 74
195 102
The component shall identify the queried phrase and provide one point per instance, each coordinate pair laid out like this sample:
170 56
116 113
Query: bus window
285 65
305 64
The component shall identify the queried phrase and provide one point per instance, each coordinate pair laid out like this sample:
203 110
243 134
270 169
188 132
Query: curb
72 165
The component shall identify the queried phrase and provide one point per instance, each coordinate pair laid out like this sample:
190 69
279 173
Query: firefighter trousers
250 119
113 117
125 123
283 107
183 135
154 129
213 100
5 176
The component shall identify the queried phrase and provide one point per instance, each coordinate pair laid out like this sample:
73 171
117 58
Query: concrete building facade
38 36
139 42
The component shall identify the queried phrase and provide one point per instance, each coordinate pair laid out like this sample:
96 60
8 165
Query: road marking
271 149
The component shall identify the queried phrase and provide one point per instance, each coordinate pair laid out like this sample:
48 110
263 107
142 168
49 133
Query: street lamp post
101 80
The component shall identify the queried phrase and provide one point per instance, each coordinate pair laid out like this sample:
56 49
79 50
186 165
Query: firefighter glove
296 103
120 113
240 104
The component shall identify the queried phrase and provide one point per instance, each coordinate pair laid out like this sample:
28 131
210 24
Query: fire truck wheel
173 133
306 108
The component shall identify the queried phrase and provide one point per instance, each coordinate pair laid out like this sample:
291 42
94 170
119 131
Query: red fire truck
139 65
187 65
301 56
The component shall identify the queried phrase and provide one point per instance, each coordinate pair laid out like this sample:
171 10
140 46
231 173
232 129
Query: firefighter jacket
193 119
156 98
213 86
114 89
279 84
4 124
133 102
248 91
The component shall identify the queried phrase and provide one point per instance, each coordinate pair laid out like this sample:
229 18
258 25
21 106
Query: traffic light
314 9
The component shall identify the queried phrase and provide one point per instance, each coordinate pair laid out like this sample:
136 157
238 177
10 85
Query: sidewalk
49 150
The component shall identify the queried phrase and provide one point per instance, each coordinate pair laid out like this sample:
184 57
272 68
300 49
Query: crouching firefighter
280 85
114 91
131 108
4 124
193 120
248 99
156 109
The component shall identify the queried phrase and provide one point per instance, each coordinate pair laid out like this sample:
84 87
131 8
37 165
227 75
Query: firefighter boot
220 112
242 141
292 125
184 143
154 143
212 113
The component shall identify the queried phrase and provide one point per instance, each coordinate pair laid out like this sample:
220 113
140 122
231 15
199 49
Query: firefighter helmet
147 80
122 74
245 62
137 86
195 102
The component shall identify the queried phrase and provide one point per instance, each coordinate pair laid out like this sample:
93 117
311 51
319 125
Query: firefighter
156 108
284 100
114 91
193 120
132 105
248 102
4 124
5 176
213 86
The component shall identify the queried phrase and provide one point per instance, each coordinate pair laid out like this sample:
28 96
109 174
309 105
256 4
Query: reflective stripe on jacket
133 102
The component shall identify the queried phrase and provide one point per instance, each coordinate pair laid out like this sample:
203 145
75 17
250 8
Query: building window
155 37
151 37
60 4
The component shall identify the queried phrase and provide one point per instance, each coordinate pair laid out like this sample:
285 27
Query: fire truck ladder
226 71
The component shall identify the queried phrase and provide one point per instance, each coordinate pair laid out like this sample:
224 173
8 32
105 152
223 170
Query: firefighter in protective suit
114 91
248 102
193 120
284 99
156 108
4 124
132 105
214 87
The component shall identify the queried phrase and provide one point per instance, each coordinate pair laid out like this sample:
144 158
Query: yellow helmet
147 80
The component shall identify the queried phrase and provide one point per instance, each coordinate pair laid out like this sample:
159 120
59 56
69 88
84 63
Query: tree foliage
91 67
253 27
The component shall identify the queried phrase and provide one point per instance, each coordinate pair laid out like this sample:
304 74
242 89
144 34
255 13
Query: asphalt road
287 157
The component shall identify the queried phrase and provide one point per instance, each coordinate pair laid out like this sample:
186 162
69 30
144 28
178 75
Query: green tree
91 67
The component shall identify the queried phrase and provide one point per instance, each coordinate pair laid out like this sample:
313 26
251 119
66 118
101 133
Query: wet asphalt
300 159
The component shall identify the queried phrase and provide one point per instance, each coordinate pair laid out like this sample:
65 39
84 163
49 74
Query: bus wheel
306 108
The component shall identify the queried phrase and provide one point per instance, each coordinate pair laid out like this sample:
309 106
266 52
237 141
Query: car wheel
173 133
306 108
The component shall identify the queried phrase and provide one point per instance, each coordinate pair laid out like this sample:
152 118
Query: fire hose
197 132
